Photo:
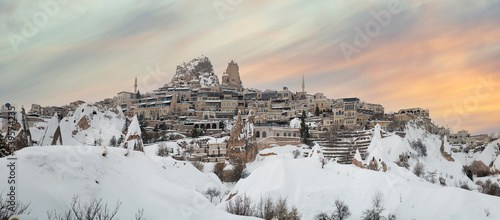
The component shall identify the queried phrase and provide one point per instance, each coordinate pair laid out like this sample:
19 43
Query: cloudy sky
441 55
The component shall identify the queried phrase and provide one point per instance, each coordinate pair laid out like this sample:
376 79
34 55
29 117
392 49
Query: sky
439 55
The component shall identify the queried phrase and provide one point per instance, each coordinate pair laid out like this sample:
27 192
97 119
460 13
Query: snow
136 180
104 124
313 190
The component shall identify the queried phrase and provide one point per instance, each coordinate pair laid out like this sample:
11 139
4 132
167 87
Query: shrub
419 169
487 187
341 210
7 210
162 150
266 208
403 160
219 171
95 209
210 193
419 147
374 213
198 165
296 154
323 162
442 181
463 185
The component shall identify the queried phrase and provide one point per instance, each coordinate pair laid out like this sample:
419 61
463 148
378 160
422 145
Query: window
257 134
264 134
294 134
277 134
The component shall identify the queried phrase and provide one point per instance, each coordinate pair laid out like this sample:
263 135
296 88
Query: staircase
344 147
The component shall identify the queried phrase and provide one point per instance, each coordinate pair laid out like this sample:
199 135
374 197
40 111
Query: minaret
135 86
303 84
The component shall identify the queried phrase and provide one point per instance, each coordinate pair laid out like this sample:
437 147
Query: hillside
137 181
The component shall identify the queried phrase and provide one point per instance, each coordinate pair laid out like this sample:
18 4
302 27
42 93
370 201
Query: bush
7 210
419 147
463 185
323 162
266 208
162 150
95 209
296 154
219 171
419 169
487 187
341 210
198 165
403 160
211 193
374 213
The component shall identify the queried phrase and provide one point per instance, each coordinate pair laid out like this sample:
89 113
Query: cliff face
242 145
232 75
196 73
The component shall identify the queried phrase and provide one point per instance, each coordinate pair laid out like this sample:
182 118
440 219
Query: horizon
437 55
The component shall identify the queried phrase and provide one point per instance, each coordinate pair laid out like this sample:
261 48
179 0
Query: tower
135 86
303 84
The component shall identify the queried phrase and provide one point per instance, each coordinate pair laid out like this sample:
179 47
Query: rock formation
22 132
52 134
133 139
196 73
242 146
232 75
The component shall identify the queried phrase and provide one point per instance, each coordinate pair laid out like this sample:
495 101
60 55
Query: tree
341 210
316 111
163 127
304 130
138 95
374 213
419 169
113 142
195 133
210 193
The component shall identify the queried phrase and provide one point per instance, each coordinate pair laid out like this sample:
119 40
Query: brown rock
84 123
357 163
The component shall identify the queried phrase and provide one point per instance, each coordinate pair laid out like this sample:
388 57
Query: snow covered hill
49 177
313 190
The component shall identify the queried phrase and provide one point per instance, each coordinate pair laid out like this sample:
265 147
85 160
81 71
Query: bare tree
374 213
198 165
341 210
95 209
210 193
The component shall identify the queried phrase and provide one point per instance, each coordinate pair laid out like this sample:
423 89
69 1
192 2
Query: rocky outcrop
242 146
21 129
232 75
196 73
133 139
478 168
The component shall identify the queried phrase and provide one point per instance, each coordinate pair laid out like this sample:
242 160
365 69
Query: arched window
264 134
208 126
214 126
202 126
294 134
289 135
196 126
257 134
277 134
205 117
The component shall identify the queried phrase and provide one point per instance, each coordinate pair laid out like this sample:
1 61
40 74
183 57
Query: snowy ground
49 177
313 190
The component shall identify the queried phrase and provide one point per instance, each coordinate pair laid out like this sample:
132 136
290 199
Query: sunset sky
441 55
